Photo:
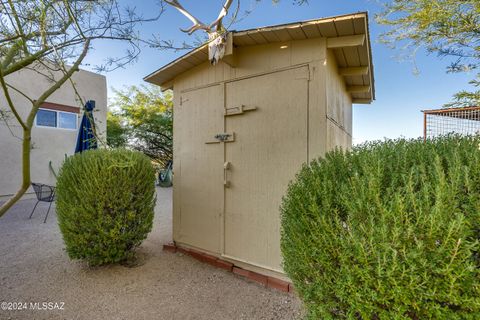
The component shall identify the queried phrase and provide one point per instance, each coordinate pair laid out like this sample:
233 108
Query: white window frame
58 120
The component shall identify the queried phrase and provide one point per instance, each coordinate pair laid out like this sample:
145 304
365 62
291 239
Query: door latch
238 110
223 137
226 166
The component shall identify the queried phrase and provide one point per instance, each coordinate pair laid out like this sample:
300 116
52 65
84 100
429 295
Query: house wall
190 89
48 144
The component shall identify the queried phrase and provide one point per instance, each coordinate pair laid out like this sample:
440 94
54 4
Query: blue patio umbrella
86 135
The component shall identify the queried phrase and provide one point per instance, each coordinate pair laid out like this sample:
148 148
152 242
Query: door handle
226 166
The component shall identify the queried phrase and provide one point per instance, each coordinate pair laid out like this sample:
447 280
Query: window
67 120
56 119
46 118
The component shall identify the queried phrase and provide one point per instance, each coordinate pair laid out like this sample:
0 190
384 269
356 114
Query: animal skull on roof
217 35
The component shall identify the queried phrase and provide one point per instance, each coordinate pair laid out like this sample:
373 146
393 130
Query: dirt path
34 269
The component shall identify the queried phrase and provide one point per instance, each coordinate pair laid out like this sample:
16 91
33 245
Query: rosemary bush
389 230
105 204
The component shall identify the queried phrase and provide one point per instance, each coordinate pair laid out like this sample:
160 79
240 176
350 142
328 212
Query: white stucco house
55 128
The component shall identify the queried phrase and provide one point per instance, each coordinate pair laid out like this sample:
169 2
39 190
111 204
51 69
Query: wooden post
424 126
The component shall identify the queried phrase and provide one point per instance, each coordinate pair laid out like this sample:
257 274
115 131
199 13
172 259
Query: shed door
200 185
269 148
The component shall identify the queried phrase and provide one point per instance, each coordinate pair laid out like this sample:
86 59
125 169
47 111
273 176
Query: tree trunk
26 147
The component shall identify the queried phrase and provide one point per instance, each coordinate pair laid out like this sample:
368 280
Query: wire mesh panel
465 121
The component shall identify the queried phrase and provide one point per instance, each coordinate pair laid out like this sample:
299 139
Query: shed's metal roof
334 27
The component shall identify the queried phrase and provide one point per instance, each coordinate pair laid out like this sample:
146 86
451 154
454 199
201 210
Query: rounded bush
105 204
389 230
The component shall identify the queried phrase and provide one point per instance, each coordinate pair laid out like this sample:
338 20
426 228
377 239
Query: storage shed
281 96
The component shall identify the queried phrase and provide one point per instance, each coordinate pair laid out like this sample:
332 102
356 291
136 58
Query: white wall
48 144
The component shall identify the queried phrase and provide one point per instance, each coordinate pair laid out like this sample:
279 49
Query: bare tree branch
9 100
47 35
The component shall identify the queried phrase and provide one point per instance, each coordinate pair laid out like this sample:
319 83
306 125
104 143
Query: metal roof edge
302 22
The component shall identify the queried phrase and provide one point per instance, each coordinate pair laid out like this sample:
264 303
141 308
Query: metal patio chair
44 193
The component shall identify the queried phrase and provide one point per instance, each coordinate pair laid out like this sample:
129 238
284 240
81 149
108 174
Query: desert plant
105 204
389 230
143 121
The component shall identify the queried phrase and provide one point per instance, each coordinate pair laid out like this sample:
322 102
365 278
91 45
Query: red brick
197 255
170 247
224 265
240 271
209 259
251 275
258 277
277 284
291 288
212 260
183 250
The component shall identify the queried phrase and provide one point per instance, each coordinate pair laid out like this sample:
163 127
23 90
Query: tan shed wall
254 60
339 108
202 208
269 148
49 144
200 115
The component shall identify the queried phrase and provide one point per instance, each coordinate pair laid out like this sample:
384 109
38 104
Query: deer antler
218 22
217 37
197 24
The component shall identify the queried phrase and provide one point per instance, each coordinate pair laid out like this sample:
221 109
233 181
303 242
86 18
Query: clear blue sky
400 93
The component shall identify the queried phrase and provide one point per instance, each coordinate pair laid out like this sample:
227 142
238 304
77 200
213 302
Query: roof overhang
347 36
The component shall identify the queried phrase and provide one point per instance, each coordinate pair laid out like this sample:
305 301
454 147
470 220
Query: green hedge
389 230
105 204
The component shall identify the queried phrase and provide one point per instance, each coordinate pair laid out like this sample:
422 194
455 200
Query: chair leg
48 212
31 214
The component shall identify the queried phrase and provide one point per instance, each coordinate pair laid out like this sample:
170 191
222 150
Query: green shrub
105 204
389 230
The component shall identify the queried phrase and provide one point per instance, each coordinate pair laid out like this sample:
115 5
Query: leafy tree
117 133
145 118
449 28
53 37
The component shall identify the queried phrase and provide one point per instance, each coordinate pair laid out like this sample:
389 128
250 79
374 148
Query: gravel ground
34 268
